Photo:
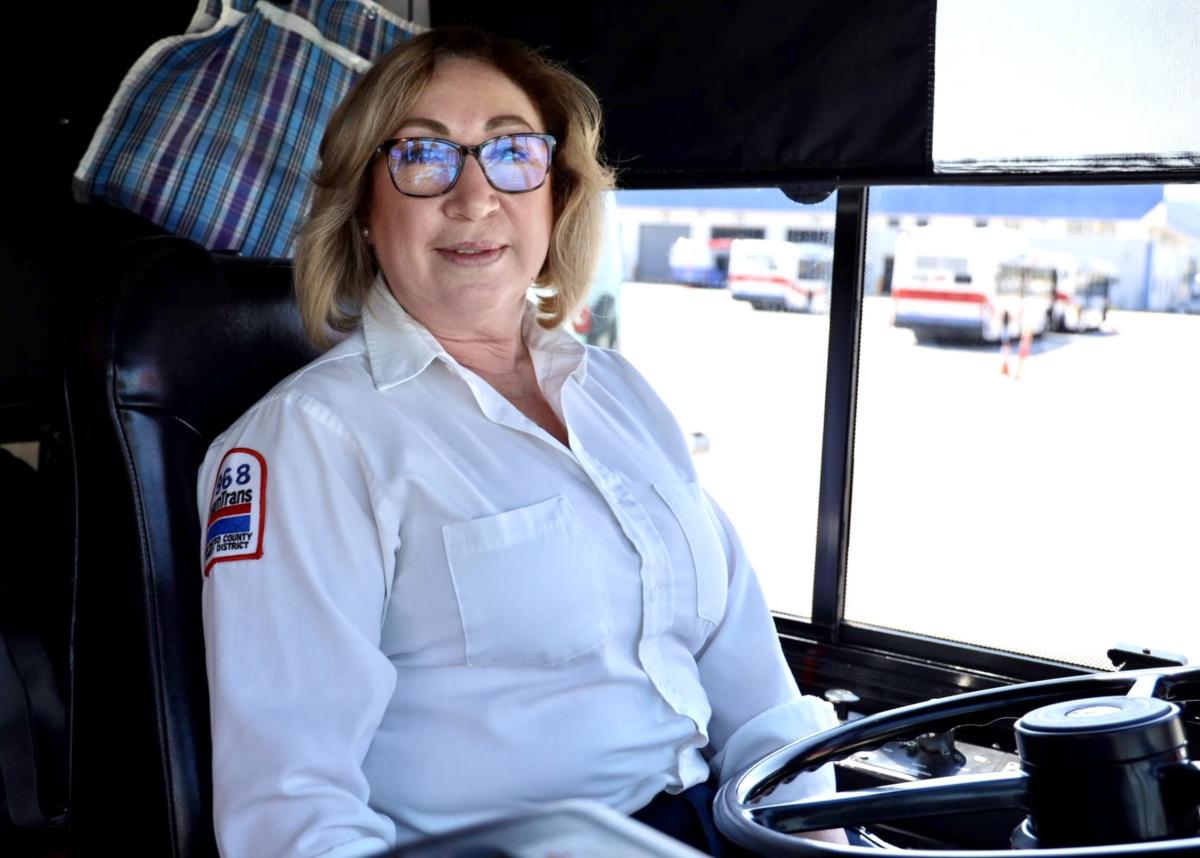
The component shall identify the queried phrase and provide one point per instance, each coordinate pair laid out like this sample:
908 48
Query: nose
473 197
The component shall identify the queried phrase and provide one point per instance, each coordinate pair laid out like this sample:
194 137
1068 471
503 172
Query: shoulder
341 372
613 372
322 391
305 425
609 366
618 384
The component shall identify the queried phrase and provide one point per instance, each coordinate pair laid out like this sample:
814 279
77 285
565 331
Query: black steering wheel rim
744 814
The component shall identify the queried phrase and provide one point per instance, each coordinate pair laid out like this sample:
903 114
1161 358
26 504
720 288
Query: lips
471 254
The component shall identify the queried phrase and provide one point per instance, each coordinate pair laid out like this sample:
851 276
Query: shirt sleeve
297 682
757 707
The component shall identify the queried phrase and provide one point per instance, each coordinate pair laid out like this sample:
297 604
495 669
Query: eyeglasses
429 166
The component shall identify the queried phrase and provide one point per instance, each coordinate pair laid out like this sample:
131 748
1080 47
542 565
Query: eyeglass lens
425 166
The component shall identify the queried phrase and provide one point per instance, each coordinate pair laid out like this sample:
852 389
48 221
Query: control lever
1129 657
841 698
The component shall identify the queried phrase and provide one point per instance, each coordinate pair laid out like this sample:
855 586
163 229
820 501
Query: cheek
375 198
546 224
547 217
395 220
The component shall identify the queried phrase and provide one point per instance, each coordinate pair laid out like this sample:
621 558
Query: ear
362 222
362 216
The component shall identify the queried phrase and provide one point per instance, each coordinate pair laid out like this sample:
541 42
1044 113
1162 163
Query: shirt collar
399 347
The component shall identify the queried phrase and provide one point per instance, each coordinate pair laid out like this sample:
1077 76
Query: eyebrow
507 119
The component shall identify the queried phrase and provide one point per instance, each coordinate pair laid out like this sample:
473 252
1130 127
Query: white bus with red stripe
971 284
780 275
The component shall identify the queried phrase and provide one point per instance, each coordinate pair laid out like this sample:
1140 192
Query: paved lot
1057 514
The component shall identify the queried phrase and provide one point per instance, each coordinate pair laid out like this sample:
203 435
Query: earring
366 232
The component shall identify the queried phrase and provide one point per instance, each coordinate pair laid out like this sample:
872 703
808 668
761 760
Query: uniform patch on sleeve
238 509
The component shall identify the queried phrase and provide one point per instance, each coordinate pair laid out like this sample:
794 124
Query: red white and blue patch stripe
237 510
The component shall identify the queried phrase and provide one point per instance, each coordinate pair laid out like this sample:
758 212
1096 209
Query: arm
297 682
757 707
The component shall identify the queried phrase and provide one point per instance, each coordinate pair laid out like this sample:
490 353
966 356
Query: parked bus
1081 297
699 262
780 275
971 284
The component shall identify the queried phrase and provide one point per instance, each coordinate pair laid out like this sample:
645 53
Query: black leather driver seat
179 345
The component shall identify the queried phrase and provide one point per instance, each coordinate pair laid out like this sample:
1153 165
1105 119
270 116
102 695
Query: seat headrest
201 336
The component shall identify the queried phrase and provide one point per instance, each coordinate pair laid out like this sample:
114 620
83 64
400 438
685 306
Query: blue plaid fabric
213 134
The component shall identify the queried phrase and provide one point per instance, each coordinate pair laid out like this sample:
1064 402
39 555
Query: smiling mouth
472 254
473 246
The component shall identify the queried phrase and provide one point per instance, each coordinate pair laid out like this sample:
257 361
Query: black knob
937 744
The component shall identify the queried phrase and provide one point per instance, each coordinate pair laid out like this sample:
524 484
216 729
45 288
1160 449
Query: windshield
1031 489
1021 476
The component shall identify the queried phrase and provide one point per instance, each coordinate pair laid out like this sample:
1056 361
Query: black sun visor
813 93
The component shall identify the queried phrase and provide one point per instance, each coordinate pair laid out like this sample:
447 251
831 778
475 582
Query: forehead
465 96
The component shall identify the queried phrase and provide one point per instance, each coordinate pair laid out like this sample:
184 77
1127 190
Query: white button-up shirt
422 611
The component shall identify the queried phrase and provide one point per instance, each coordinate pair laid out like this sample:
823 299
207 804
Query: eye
421 153
512 150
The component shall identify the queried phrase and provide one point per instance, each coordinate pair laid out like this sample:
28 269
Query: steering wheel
1104 772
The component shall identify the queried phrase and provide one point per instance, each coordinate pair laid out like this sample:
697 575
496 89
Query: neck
498 355
488 343
488 356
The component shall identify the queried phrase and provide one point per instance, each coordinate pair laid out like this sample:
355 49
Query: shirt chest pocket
686 501
529 587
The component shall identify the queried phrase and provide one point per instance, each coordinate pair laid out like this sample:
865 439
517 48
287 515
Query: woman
488 577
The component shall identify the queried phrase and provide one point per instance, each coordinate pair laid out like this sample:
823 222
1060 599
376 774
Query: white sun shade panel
1061 85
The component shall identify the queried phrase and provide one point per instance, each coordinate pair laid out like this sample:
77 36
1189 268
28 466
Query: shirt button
655 591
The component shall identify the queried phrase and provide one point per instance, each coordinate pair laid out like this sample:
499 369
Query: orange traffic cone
1005 344
1023 350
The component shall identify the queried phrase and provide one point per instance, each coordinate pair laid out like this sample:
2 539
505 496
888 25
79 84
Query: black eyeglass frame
385 147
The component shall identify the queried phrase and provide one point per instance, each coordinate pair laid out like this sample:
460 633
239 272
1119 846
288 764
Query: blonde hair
334 265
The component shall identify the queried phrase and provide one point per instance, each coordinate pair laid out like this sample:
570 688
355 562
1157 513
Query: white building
1154 242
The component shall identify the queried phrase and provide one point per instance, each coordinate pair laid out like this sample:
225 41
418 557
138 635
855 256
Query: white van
699 262
780 275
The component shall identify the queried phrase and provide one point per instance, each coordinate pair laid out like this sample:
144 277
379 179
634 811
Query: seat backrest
179 345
